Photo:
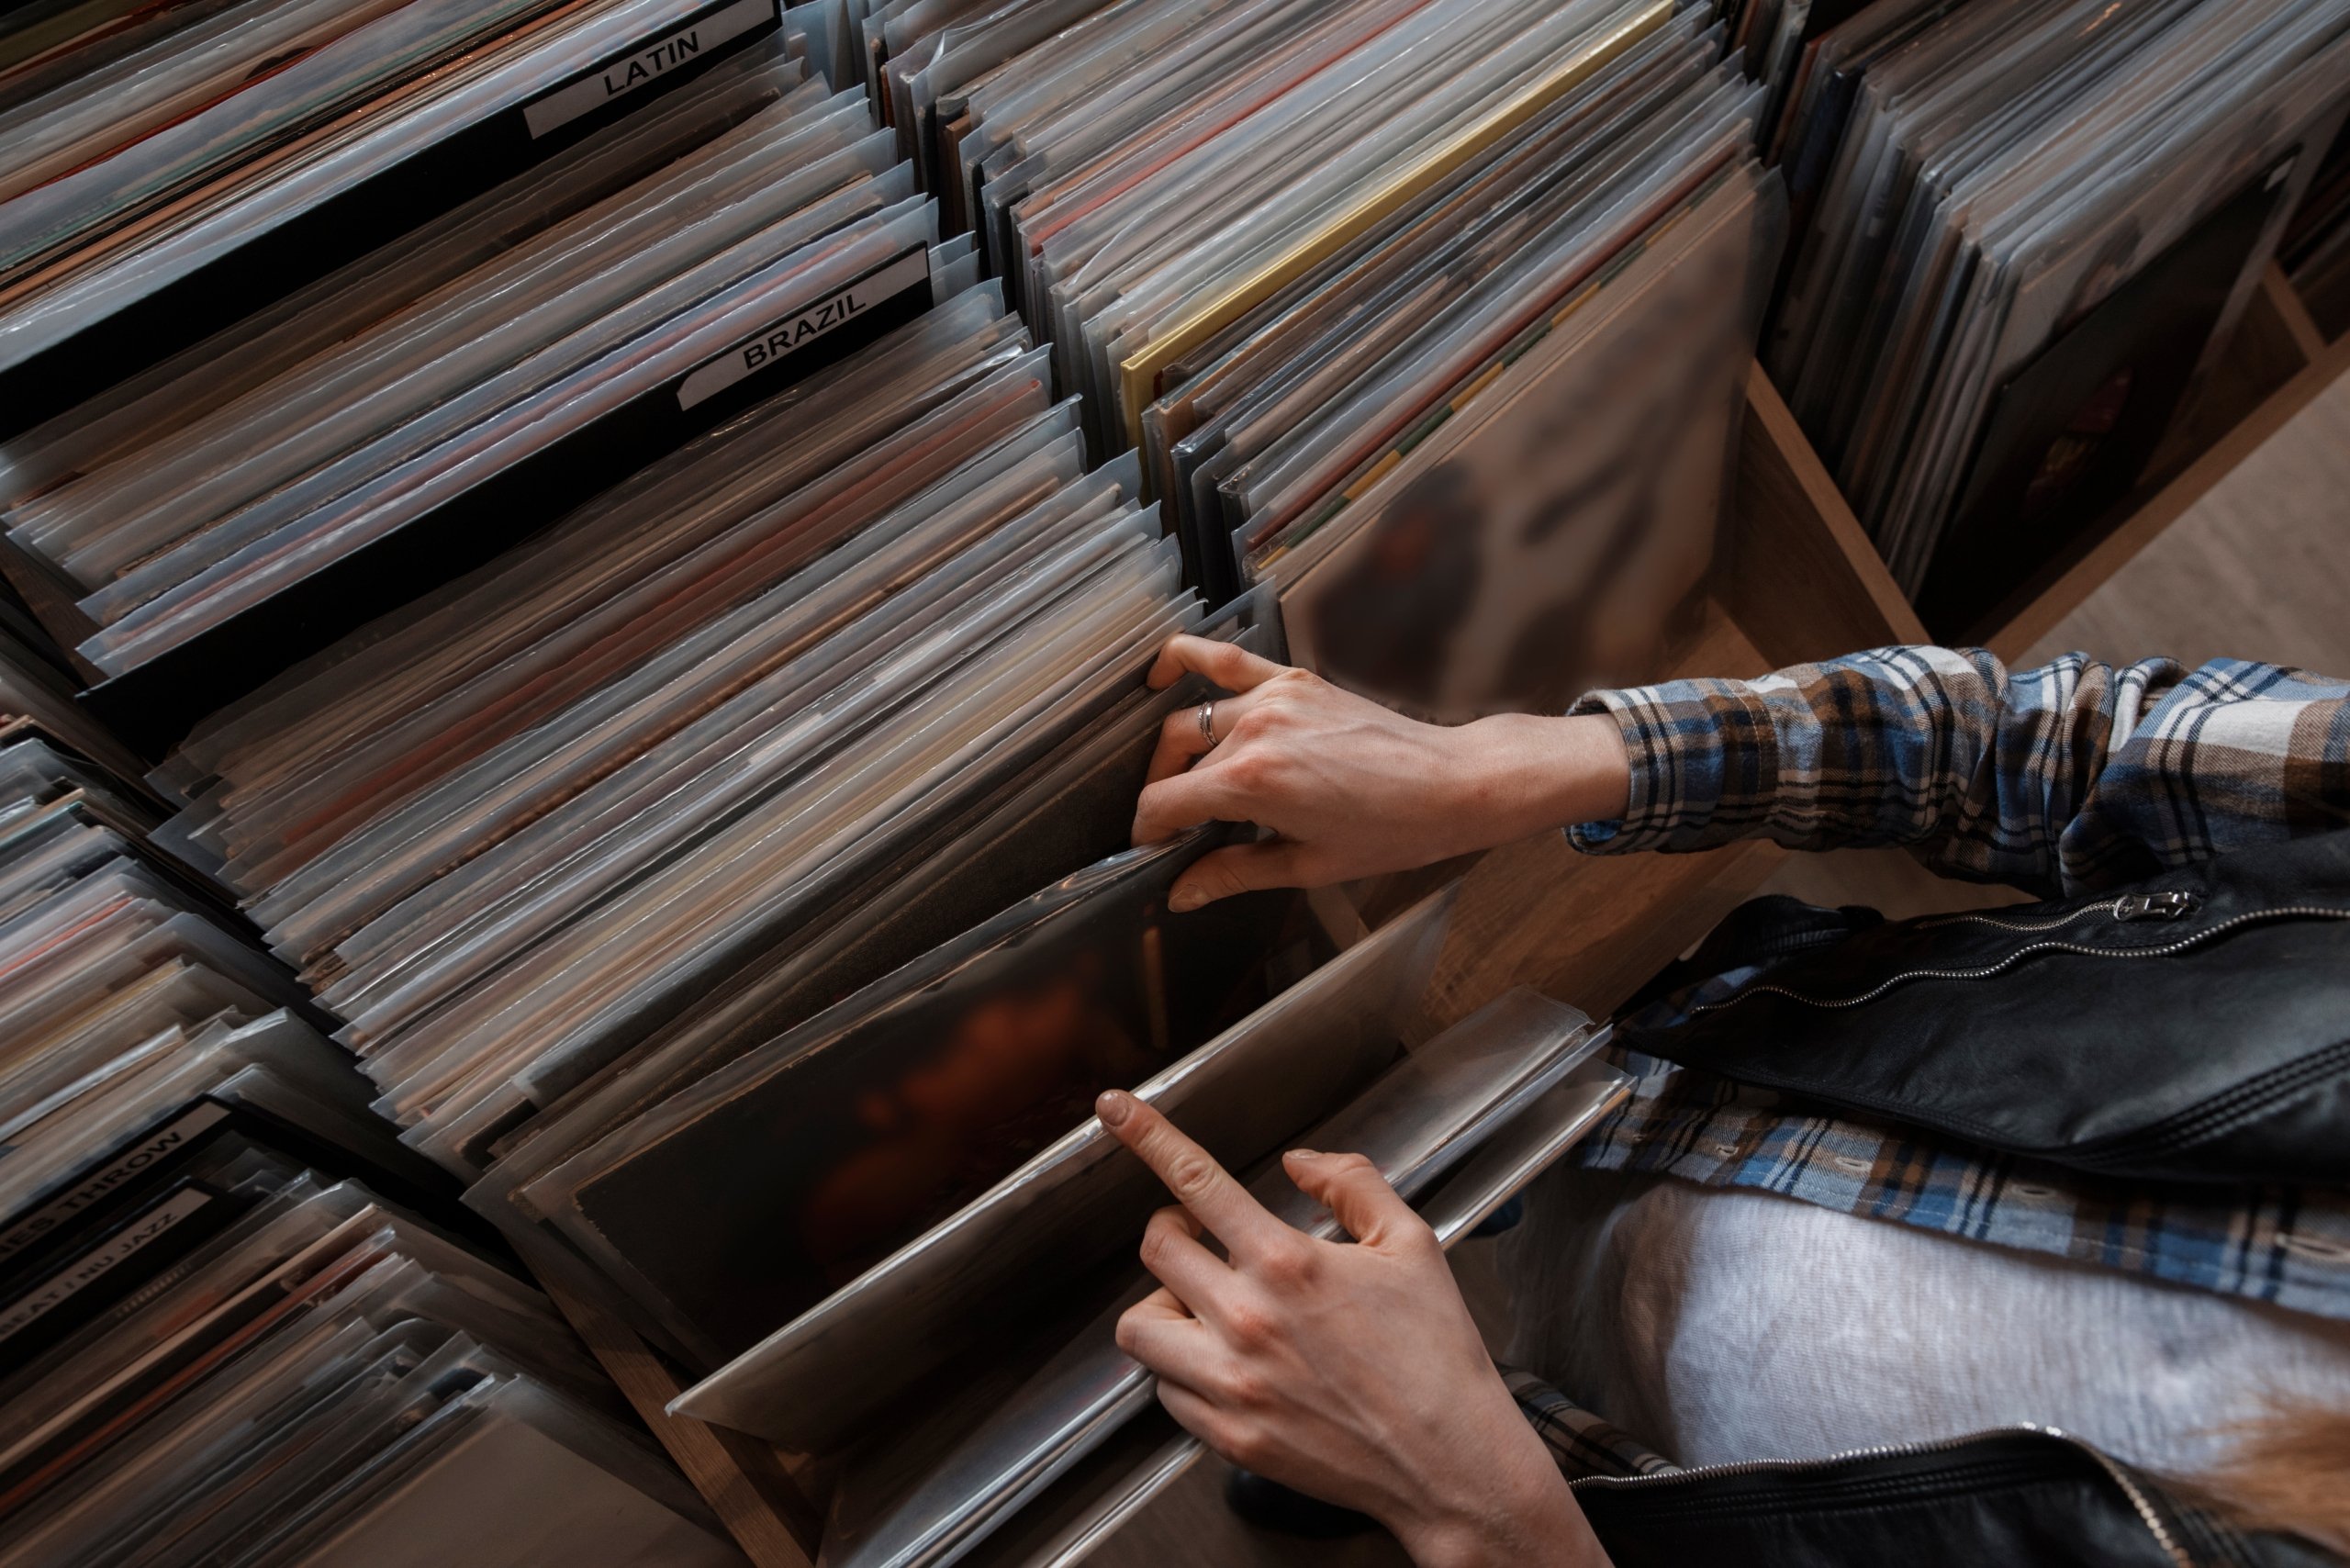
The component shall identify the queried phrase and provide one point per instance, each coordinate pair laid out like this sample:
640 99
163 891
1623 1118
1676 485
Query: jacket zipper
2288 911
2129 906
2148 1515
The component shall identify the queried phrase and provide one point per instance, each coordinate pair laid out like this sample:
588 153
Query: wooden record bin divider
1799 580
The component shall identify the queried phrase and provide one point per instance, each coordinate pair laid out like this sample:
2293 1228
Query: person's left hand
1353 1374
1350 788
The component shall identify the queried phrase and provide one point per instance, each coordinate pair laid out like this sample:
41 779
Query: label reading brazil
645 63
827 315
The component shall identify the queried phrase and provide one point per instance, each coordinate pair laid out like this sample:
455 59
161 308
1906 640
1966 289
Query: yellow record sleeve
1138 374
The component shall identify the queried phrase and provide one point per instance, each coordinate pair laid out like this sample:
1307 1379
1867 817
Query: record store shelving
680 573
1799 580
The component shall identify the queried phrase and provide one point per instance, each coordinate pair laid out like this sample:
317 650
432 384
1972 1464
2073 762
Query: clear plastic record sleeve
617 818
1195 434
1034 816
782 321
1564 525
617 360
1983 187
812 1381
517 1479
2200 231
1086 986
980 696
902 1502
113 103
306 1364
724 659
570 275
374 175
553 1071
320 747
1517 275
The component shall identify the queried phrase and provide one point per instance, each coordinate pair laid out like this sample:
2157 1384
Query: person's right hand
1351 1371
1352 789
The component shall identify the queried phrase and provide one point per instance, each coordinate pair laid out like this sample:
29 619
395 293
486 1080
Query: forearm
2074 776
2055 777
1525 773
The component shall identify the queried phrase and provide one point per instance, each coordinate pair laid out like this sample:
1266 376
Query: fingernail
1184 900
1305 1154
1115 1107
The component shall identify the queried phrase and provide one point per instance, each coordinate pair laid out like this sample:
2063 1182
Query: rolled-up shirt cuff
1643 825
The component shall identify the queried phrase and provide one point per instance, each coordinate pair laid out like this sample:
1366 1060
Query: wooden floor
2259 569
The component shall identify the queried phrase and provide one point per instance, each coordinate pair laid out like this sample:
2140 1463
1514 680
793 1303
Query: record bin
1799 579
1584 930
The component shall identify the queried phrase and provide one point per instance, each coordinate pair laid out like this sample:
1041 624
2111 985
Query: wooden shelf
1799 579
2278 364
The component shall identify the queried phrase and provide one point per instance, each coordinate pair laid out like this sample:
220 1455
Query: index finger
1191 1173
1228 664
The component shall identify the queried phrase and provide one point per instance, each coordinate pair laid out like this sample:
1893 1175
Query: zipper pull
2153 906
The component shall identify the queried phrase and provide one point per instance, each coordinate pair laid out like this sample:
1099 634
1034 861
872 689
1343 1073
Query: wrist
1528 774
1521 1514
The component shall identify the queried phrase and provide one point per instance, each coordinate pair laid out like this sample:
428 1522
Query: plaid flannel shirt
2065 779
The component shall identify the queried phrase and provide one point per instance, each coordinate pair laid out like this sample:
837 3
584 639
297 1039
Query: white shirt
1719 1325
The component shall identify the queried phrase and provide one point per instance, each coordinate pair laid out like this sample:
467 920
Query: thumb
1351 1187
1236 869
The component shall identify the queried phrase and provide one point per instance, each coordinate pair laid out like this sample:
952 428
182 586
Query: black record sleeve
2071 434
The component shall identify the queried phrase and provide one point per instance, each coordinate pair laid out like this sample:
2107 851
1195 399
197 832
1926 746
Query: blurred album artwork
791 1173
1576 504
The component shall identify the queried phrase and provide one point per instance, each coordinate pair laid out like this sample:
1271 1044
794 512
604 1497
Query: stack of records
171 167
1436 317
652 640
1780 41
318 1377
137 1007
951 1378
509 834
214 1344
357 444
38 688
2030 227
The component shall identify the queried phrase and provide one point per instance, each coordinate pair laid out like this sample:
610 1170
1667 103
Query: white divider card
635 69
858 302
250 227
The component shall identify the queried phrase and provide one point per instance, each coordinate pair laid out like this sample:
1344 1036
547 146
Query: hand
1352 789
1350 1373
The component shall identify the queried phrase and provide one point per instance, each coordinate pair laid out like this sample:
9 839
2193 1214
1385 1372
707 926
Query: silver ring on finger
1207 723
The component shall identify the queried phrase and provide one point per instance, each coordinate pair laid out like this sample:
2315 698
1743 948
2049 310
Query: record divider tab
154 705
263 267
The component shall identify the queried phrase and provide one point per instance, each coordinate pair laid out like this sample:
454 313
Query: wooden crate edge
741 1479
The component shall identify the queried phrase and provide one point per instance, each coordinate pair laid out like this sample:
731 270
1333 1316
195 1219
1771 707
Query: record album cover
2071 436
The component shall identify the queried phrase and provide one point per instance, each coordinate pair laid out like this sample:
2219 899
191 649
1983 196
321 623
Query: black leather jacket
2191 1029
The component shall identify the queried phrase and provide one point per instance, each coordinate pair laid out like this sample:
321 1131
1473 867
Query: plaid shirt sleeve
2066 779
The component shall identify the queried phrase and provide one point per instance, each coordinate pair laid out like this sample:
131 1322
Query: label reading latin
645 63
829 314
62 1286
